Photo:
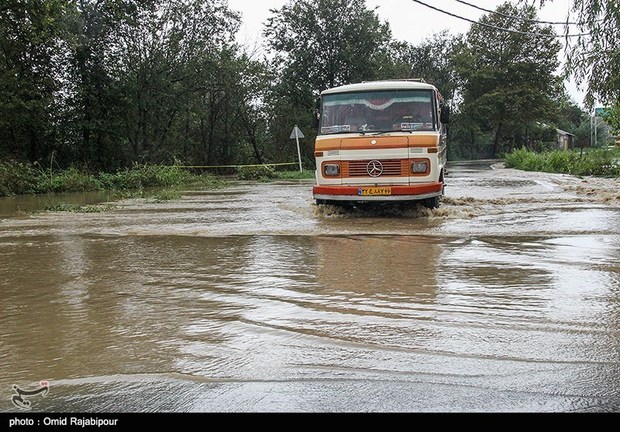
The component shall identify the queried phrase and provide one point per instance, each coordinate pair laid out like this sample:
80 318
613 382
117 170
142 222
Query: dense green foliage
121 86
432 59
508 82
594 57
598 162
337 32
105 83
318 44
612 116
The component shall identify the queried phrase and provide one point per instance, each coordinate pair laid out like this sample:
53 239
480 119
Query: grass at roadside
159 182
268 172
296 175
19 179
595 162
258 172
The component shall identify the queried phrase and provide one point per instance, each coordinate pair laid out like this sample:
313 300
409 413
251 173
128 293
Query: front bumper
398 193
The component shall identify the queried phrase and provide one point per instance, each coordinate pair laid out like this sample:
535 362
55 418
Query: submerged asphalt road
252 298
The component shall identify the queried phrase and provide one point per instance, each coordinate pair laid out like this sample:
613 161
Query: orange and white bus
381 141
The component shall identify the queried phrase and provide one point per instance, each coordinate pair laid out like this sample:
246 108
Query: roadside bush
145 176
262 172
157 175
295 175
70 180
524 159
596 162
18 178
561 162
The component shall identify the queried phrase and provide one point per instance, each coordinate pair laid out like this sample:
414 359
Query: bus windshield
378 111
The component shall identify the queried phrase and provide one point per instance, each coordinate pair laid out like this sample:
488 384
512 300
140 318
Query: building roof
561 132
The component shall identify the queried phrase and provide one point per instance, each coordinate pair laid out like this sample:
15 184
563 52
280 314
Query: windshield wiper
373 133
341 132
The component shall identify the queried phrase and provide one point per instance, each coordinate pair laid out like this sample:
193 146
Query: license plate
374 191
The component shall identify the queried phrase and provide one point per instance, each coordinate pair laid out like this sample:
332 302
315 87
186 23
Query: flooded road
251 298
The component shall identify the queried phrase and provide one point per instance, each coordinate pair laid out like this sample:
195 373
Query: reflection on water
310 312
371 267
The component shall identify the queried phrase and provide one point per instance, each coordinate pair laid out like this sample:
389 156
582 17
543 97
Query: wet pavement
252 298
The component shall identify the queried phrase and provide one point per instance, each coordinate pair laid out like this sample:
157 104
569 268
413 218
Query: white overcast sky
409 21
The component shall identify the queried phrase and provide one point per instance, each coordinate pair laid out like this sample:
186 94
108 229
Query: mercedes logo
374 168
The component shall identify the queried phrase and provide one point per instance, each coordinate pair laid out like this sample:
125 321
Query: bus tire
431 203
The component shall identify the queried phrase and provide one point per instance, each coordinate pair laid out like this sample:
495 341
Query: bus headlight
331 170
420 166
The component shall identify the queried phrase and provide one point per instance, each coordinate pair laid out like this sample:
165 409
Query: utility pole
594 125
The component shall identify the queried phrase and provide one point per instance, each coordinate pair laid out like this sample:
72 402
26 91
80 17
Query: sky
409 21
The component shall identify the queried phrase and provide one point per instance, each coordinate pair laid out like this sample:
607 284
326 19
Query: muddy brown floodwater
251 298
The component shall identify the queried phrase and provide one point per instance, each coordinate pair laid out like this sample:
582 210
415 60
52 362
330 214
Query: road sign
296 134
600 112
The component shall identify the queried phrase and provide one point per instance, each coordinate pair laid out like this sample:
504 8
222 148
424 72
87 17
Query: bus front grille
361 168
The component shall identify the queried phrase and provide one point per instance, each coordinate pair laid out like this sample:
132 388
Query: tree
250 96
315 45
432 60
105 83
570 115
612 117
93 100
31 35
324 43
508 77
170 68
594 57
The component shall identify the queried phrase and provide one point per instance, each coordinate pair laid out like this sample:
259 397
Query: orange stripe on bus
386 142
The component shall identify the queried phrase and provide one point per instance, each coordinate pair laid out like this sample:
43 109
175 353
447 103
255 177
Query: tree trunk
251 130
259 158
33 151
204 148
498 136
212 124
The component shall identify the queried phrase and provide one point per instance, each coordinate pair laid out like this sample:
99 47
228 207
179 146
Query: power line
500 28
516 17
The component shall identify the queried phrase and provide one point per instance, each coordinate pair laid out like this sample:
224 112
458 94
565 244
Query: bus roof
381 85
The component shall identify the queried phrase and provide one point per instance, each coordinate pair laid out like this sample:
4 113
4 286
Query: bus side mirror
444 116
316 116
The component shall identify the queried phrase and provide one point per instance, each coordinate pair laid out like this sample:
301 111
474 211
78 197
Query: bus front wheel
431 203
